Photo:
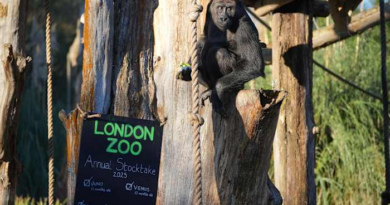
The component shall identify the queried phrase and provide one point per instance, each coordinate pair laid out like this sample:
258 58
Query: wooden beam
264 7
292 71
360 23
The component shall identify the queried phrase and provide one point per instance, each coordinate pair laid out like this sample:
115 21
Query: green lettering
120 147
141 135
127 132
119 129
109 124
149 133
96 129
113 142
138 144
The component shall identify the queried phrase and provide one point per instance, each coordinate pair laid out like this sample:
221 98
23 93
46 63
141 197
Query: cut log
13 64
292 71
360 23
236 151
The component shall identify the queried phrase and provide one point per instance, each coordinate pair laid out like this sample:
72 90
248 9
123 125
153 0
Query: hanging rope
347 81
386 194
49 105
196 119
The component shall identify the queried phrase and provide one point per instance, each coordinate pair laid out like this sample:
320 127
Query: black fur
230 51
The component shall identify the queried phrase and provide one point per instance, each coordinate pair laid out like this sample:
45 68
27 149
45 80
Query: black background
96 145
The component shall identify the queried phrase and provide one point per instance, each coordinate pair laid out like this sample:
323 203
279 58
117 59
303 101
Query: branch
361 22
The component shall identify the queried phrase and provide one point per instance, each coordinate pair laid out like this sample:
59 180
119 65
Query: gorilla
229 52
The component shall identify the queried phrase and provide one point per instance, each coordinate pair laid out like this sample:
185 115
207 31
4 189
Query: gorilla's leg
234 81
220 63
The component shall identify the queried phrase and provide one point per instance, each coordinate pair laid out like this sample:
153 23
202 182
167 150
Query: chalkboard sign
119 161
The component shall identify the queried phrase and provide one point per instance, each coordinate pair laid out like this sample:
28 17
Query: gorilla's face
223 12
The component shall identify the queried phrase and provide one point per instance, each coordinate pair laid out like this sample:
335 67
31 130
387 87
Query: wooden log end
242 145
256 105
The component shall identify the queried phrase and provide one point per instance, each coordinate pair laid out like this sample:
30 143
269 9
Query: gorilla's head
224 12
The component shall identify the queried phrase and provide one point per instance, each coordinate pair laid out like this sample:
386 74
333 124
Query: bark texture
12 68
97 77
151 39
292 71
236 151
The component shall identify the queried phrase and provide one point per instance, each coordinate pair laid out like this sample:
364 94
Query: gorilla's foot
217 104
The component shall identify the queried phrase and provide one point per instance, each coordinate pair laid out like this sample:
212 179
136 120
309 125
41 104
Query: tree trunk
150 39
292 71
12 68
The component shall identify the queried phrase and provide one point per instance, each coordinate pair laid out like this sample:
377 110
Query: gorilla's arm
185 71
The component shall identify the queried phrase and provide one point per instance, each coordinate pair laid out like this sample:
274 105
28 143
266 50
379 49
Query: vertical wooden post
97 78
292 71
12 68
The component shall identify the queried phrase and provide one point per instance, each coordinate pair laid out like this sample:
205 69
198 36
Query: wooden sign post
119 161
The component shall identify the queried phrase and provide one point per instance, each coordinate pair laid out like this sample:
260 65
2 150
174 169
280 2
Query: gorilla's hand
184 72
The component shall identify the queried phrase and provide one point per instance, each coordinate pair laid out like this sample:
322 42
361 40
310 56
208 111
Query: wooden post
292 71
151 40
97 78
12 68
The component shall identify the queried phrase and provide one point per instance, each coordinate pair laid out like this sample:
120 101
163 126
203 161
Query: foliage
349 148
29 201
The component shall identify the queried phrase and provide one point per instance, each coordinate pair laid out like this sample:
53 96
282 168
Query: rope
49 105
195 118
385 195
347 81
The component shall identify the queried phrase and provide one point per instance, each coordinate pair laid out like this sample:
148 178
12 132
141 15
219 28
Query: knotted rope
195 118
49 105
